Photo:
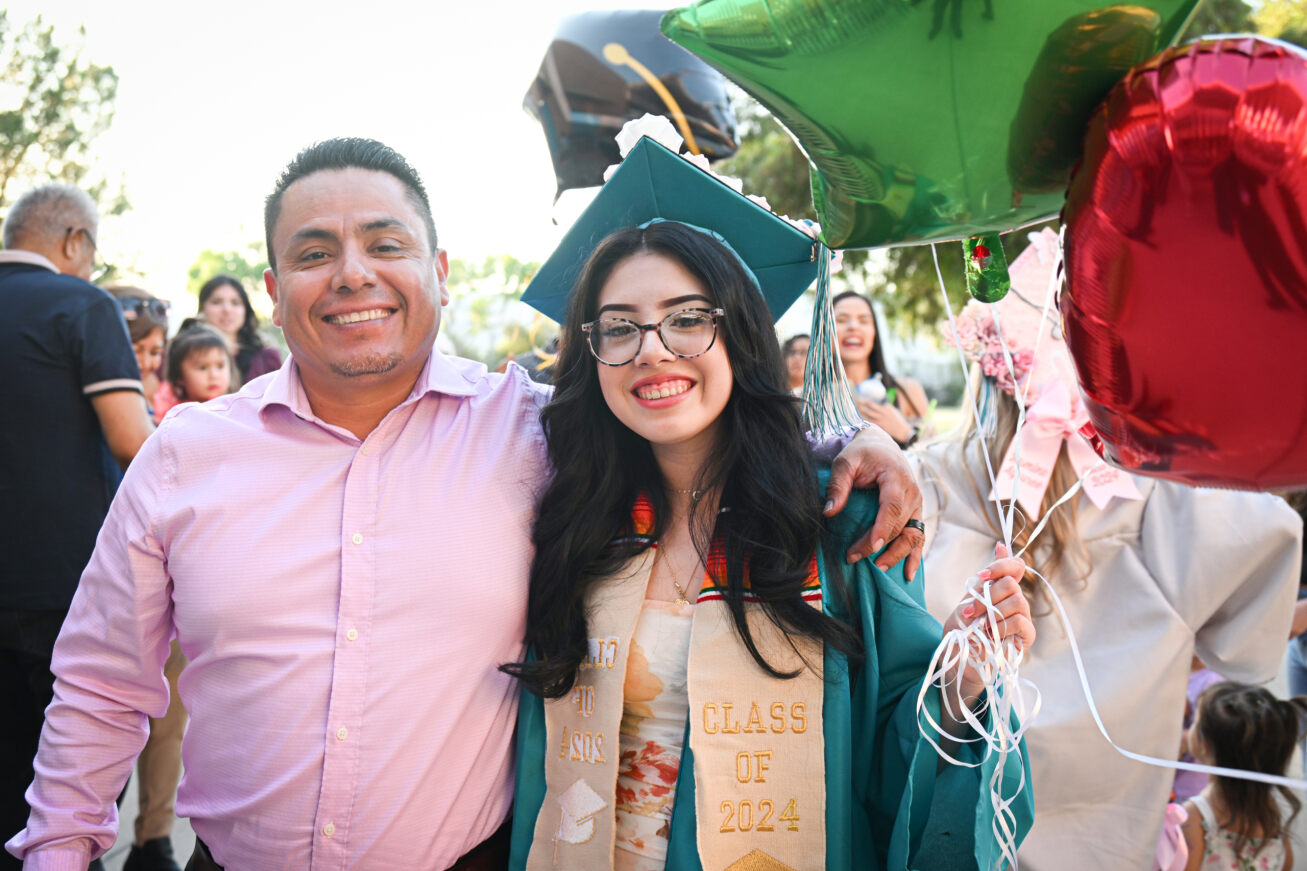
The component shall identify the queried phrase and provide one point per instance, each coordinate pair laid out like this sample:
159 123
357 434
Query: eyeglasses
99 269
685 333
133 307
69 231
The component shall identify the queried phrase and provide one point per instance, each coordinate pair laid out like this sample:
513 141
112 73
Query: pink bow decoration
1056 417
1172 849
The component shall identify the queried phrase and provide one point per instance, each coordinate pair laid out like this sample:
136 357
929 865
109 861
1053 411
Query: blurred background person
1240 824
1189 783
539 362
225 306
897 405
1296 662
71 388
147 325
795 352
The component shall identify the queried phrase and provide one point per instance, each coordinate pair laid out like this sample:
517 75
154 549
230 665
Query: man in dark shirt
70 387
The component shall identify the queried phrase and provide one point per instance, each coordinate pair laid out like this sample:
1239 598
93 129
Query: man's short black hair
347 153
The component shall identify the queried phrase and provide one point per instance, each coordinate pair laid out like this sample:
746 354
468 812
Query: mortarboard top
654 182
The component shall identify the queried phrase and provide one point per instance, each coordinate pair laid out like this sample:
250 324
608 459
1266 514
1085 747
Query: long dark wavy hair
876 359
583 533
1242 726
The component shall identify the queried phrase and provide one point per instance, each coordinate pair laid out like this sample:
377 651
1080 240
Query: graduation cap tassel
828 406
988 422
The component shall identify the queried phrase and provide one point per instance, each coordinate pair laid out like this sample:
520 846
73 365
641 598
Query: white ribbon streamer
1236 773
1004 697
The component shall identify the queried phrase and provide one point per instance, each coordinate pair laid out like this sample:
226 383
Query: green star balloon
927 120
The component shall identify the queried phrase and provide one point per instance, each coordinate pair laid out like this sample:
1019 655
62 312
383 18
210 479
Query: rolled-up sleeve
108 668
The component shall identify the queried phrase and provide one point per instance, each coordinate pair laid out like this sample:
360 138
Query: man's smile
372 314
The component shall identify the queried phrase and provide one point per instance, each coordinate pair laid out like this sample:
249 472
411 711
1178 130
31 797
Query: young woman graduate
707 684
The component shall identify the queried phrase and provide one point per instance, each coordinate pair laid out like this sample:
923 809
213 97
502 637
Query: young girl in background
1236 824
200 366
147 324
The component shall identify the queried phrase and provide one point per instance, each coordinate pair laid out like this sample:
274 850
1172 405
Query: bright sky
215 98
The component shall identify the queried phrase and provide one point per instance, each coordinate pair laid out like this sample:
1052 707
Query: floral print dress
1260 854
653 730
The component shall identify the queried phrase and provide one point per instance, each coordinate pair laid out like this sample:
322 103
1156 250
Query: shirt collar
29 258
452 376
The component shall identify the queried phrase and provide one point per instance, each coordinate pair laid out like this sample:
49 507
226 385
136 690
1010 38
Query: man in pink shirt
342 550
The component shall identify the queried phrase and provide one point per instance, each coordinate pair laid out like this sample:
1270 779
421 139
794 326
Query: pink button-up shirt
344 606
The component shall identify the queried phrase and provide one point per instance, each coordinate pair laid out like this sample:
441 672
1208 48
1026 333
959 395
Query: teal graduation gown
892 803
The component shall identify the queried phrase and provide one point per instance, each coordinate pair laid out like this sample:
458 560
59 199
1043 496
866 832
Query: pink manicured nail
968 612
984 575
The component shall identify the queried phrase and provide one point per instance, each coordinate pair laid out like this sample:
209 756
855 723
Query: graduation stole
757 741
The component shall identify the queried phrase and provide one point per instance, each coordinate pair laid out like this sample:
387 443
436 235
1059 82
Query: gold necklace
681 598
694 494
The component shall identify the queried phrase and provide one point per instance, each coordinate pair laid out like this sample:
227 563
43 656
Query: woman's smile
661 391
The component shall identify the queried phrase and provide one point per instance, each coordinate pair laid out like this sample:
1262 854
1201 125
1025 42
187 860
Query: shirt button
342 733
329 829
358 538
351 634
365 450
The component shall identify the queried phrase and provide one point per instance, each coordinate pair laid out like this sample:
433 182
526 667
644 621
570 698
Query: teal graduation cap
654 182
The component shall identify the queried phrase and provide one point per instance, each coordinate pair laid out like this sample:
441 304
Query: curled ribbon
1010 701
1056 417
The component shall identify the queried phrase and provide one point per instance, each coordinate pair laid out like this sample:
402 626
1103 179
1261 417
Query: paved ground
183 838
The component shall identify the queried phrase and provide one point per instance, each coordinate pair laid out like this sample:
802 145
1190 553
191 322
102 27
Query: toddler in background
1236 824
200 366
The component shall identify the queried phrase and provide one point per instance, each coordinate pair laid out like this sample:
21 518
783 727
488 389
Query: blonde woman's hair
1060 539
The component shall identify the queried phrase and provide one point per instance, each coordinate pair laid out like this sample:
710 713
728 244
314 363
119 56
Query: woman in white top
1150 572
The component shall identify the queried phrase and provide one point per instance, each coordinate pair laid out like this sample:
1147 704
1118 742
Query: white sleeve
1228 562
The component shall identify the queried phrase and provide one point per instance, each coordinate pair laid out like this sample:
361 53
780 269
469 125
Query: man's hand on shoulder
873 460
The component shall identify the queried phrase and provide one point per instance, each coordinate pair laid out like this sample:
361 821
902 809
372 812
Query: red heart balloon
1186 262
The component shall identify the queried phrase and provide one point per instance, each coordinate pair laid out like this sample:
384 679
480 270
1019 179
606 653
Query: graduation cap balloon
606 68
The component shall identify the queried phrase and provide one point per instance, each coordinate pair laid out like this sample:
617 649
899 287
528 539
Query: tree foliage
247 265
1220 16
484 320
56 104
1283 19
